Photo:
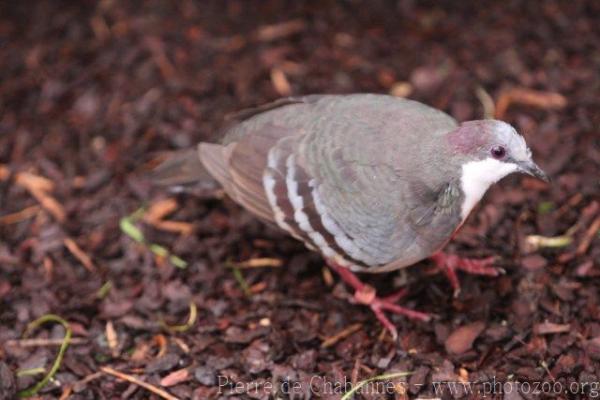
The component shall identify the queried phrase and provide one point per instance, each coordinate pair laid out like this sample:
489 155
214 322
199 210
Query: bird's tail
183 169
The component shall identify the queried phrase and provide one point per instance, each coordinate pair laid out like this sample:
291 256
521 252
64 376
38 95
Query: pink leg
366 294
450 263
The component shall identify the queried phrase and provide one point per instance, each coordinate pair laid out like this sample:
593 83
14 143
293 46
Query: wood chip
175 378
401 89
269 33
328 277
160 209
79 254
4 172
31 181
280 82
112 339
183 228
155 215
534 262
549 328
141 352
161 341
462 338
258 287
100 28
66 392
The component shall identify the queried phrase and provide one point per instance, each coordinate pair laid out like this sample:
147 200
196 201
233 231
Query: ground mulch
93 93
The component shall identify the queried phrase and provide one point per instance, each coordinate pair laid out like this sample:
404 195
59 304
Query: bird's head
489 150
495 146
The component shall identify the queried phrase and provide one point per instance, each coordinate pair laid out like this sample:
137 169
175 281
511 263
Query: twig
182 345
571 203
39 187
159 56
537 241
543 100
61 351
79 384
344 333
44 342
589 235
486 101
19 216
79 254
31 371
259 263
132 379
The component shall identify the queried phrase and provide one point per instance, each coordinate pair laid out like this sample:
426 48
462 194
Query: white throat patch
477 177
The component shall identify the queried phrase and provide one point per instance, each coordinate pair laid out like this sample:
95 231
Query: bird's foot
450 263
366 294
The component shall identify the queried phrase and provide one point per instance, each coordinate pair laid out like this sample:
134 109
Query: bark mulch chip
199 300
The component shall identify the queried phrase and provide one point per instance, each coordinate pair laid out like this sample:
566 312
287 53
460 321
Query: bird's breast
477 177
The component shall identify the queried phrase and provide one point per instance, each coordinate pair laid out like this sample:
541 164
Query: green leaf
127 227
545 207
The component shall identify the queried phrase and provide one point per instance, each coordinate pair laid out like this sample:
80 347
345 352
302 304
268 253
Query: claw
450 263
367 295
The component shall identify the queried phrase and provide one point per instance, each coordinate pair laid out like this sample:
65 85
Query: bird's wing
374 184
326 170
239 163
380 220
239 166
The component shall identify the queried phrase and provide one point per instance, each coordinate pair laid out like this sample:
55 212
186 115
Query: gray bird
373 182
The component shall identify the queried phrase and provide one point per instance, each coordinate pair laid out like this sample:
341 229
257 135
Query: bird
372 182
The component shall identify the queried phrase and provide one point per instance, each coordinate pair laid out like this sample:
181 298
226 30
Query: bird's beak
531 168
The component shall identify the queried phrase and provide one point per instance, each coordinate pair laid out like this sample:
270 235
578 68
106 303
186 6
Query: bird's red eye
498 152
